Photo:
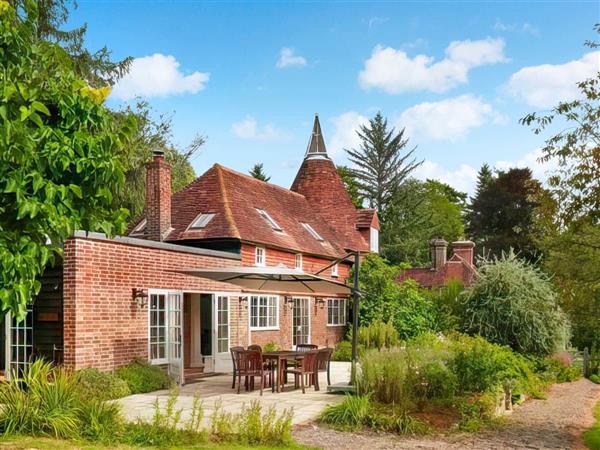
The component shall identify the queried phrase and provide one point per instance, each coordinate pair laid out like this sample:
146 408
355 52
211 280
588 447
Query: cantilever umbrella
273 279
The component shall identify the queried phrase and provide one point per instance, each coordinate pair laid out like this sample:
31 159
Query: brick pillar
158 197
464 249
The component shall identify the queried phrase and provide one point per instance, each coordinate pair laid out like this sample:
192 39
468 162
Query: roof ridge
250 177
226 208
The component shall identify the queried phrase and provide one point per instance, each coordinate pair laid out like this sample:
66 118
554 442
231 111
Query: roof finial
316 144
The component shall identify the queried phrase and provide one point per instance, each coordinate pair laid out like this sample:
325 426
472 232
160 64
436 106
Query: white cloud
449 119
157 75
344 134
287 58
545 85
395 72
375 21
514 27
249 129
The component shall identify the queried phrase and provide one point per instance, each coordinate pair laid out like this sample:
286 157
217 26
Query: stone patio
306 407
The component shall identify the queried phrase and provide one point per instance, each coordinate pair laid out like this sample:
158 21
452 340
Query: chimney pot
439 248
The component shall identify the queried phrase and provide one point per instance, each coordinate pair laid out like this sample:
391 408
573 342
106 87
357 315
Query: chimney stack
464 249
158 197
438 253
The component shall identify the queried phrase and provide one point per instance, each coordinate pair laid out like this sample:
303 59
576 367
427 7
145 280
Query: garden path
554 423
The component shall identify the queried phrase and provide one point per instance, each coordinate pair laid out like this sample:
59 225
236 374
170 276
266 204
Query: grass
592 436
40 443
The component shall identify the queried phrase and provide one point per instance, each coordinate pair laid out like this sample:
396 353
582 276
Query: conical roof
316 144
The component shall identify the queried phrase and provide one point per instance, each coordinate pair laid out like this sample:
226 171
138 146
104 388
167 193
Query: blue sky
251 75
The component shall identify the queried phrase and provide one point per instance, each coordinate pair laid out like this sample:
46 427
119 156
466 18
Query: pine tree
258 172
382 162
484 178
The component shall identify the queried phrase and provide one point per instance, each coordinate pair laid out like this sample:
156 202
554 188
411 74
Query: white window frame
312 231
374 240
138 230
164 292
260 256
206 218
268 306
341 305
335 270
298 263
265 215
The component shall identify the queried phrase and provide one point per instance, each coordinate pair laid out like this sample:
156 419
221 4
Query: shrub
378 335
270 347
101 421
384 375
595 378
513 303
476 412
91 383
256 428
142 377
343 352
351 414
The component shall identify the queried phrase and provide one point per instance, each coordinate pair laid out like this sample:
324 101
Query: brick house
458 267
115 299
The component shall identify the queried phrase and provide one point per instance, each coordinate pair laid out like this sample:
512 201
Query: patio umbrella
273 279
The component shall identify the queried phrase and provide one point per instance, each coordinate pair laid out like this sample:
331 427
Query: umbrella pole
356 312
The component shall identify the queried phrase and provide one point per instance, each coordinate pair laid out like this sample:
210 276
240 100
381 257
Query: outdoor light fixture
320 301
289 301
140 296
243 299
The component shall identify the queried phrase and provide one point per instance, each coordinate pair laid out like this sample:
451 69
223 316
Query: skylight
139 229
269 219
202 220
312 232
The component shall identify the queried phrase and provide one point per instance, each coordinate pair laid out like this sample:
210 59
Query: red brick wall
158 198
103 326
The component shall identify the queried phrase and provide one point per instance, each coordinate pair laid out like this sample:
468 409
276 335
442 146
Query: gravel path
555 423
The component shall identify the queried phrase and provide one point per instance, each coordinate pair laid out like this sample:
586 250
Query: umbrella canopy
273 279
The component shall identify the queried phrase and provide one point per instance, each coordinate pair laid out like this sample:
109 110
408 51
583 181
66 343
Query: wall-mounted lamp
289 301
320 301
140 297
243 300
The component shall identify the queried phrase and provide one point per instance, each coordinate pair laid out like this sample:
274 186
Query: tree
418 212
152 132
514 303
258 172
351 185
484 178
382 162
501 215
96 68
57 156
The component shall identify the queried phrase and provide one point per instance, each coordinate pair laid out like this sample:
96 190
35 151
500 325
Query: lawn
592 436
42 443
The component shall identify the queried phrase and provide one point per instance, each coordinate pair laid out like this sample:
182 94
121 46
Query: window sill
338 325
264 328
158 362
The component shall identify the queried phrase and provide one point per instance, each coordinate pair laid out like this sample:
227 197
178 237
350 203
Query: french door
19 343
221 334
301 321
175 336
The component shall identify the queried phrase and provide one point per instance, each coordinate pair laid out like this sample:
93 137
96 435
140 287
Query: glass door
175 336
19 343
301 321
221 334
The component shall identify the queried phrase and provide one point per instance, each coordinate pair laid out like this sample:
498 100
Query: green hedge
142 377
91 383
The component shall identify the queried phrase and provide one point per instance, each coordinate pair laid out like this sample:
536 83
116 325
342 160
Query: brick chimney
158 197
464 249
439 248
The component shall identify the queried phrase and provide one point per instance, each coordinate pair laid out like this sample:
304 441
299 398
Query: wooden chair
233 351
306 368
324 363
250 365
255 347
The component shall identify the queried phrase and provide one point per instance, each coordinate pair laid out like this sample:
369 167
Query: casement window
336 311
269 219
334 270
264 312
299 261
201 221
374 240
312 231
158 328
260 256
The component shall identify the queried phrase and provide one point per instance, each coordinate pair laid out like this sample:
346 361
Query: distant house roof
367 218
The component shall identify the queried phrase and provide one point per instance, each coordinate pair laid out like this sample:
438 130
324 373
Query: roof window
269 219
202 220
312 232
139 229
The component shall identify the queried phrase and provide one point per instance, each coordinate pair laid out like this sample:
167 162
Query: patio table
280 358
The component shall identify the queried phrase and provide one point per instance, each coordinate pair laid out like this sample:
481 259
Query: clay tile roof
367 218
234 198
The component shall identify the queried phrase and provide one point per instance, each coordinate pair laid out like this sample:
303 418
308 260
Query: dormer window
334 270
201 221
259 256
139 229
312 232
269 219
299 261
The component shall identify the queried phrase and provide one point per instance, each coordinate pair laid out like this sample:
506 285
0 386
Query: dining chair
255 347
324 363
306 368
250 365
233 351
